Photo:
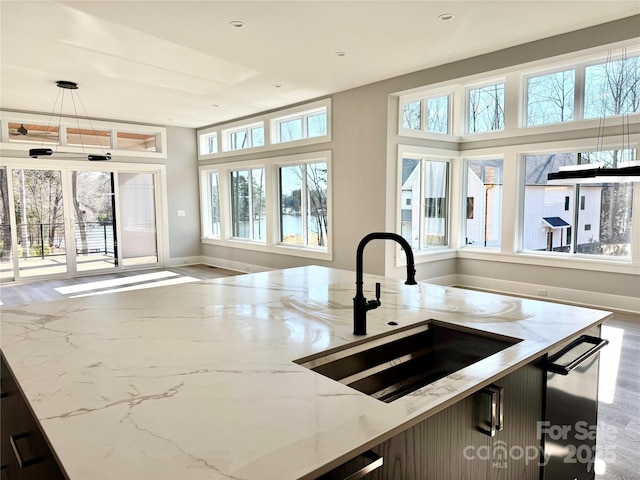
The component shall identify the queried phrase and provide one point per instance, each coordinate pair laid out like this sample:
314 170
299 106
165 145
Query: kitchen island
198 380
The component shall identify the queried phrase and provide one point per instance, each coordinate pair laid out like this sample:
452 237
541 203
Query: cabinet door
453 444
516 449
436 448
25 453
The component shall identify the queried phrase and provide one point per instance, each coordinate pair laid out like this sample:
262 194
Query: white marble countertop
197 380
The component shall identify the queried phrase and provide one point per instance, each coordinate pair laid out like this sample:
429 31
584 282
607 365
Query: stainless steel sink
391 366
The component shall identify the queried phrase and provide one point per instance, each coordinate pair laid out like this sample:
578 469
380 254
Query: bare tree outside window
550 98
486 108
411 115
612 88
438 114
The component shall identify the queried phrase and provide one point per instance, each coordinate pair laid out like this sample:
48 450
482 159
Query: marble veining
197 380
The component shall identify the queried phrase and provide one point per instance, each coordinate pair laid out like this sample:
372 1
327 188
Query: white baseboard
545 292
233 265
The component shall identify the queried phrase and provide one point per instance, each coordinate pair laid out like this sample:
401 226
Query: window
248 204
309 124
429 114
209 143
424 194
604 208
211 205
77 135
240 209
303 124
485 108
303 204
31 132
136 141
566 203
244 137
484 183
550 98
86 137
612 88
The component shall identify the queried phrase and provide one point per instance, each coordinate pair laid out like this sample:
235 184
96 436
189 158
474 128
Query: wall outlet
542 292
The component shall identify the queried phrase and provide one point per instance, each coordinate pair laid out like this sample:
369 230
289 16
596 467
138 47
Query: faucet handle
378 292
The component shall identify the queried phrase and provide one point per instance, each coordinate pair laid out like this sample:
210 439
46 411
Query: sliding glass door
64 221
94 224
138 218
40 222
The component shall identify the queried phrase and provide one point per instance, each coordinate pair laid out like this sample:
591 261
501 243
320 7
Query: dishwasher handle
598 344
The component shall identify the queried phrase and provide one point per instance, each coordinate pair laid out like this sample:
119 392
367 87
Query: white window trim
268 120
272 241
512 144
71 122
225 137
477 86
432 154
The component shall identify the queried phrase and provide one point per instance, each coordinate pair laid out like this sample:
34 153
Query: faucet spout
360 304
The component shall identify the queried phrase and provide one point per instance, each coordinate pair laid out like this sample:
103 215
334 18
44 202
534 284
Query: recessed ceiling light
340 54
236 24
277 85
446 16
215 105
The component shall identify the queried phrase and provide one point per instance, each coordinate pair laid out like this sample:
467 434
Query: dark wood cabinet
455 443
24 452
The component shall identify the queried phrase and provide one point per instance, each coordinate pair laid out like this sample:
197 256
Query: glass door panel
40 223
137 218
94 222
6 256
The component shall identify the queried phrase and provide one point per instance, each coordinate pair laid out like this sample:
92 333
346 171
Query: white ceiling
182 63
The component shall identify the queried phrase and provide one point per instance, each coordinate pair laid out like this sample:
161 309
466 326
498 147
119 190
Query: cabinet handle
22 462
376 462
598 344
496 409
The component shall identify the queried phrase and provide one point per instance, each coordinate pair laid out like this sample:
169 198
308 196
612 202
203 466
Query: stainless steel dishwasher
571 409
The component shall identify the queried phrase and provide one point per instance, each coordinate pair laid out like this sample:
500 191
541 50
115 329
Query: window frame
267 120
73 123
467 105
427 155
451 92
272 243
577 99
511 144
465 192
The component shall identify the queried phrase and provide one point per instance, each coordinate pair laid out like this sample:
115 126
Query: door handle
22 440
374 460
496 409
598 344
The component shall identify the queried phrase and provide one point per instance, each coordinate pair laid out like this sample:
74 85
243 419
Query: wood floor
618 455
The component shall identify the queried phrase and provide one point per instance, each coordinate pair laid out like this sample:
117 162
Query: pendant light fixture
69 87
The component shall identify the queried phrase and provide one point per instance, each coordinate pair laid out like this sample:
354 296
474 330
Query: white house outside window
424 190
484 202
598 219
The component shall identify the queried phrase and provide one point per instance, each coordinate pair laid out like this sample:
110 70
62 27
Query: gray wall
182 193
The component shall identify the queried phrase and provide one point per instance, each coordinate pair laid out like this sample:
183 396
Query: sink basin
391 366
